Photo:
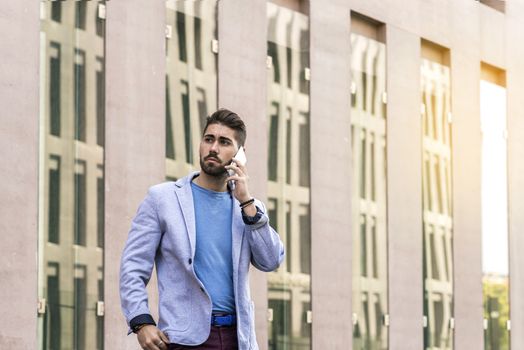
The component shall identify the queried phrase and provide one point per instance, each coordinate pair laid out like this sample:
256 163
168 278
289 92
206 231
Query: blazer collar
185 198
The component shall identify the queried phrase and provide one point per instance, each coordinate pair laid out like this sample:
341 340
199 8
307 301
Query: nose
214 147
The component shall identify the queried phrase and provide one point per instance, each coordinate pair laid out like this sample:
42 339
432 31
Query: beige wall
330 175
467 237
515 113
19 85
404 172
135 136
466 165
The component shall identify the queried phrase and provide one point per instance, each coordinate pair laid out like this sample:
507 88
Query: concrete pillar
331 236
242 76
404 181
135 136
19 83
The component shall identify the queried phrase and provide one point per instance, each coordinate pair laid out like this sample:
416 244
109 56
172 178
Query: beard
213 169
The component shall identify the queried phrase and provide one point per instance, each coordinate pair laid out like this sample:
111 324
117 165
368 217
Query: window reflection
437 211
494 213
289 289
368 131
191 80
71 209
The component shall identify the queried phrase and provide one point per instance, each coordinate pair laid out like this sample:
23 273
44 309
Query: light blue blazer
163 234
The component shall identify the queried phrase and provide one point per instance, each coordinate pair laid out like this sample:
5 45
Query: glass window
100 101
495 248
79 96
71 206
80 14
368 209
54 200
436 189
289 288
54 88
274 141
80 203
80 300
54 319
56 11
191 80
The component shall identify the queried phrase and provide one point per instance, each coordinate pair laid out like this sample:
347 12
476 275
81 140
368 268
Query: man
202 235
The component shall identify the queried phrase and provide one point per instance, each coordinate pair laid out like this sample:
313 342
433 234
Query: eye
225 142
208 139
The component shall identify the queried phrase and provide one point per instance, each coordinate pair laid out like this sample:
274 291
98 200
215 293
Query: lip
212 159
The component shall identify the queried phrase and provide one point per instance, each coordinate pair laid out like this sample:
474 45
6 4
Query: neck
213 183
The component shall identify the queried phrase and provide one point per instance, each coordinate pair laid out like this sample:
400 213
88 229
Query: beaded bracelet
246 203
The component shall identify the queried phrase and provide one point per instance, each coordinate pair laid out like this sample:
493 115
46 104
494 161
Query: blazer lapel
237 228
185 199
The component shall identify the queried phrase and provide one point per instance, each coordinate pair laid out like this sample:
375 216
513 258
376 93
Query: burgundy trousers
220 338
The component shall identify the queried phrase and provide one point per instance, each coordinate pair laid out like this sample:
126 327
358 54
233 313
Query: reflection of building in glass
495 260
191 80
437 210
71 222
368 135
496 311
288 174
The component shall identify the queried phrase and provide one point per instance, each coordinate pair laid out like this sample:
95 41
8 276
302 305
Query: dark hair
231 120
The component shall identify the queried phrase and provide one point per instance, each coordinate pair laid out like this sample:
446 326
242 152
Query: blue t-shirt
213 260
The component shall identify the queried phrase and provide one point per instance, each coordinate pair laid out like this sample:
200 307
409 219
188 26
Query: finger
241 166
164 338
235 178
153 345
238 170
162 345
238 177
238 162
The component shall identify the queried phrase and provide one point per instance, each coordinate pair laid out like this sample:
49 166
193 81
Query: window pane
368 209
54 200
72 138
289 178
437 214
494 216
79 75
54 88
191 80
80 206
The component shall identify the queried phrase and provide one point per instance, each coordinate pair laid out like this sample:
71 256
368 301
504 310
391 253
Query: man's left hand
241 191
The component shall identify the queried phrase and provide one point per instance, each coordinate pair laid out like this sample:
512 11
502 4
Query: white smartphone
241 158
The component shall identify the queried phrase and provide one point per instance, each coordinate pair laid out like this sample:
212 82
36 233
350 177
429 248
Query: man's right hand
151 338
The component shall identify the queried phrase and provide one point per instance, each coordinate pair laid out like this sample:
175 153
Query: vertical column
515 91
242 88
466 183
135 135
19 172
467 240
331 236
404 173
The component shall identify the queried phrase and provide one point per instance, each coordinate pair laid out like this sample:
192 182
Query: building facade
384 137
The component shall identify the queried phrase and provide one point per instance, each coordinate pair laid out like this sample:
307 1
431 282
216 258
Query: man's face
217 148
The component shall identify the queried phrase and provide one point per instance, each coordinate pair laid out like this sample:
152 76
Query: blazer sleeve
267 250
138 259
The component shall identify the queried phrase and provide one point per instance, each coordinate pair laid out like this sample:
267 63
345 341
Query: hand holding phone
241 158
